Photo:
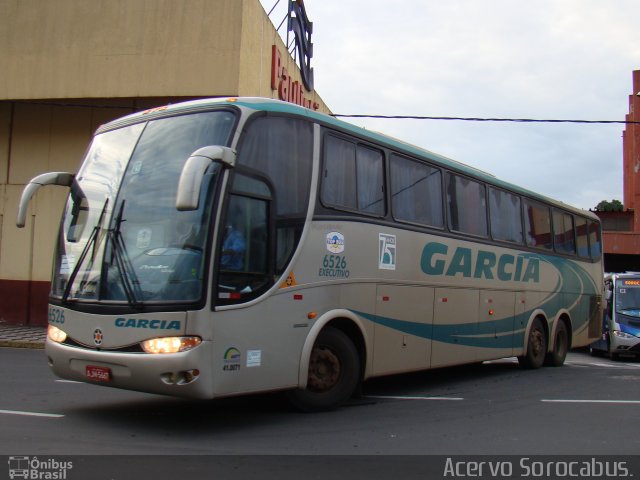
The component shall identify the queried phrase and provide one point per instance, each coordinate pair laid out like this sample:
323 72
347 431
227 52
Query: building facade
71 65
621 237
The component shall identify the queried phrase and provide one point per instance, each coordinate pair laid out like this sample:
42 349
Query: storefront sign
289 90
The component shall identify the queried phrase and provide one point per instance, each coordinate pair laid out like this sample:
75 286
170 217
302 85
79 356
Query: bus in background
621 326
229 246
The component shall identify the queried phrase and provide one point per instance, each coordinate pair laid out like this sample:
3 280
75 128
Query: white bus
229 246
621 321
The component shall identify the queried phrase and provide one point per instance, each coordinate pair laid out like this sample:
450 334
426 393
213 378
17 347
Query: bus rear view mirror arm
190 182
63 179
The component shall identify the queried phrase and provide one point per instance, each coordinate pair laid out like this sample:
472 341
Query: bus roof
278 106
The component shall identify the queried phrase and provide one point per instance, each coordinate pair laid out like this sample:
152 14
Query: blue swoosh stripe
572 284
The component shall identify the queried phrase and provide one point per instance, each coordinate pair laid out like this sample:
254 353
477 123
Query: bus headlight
620 334
170 344
55 334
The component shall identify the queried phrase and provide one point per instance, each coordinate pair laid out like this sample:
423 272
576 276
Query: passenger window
353 177
538 225
595 242
416 192
339 174
467 205
506 216
370 181
563 235
582 237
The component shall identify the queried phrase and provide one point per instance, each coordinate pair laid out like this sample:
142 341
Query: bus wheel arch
332 365
535 345
559 341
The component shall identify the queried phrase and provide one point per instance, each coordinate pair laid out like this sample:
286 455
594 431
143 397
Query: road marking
31 414
67 381
408 397
631 402
621 366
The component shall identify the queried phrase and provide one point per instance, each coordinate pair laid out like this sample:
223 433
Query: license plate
98 374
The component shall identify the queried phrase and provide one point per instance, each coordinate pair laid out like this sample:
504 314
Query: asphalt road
591 406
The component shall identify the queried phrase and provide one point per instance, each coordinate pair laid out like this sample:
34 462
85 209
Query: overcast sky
541 59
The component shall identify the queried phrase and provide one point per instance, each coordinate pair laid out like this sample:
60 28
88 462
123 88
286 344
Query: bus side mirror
190 183
53 178
608 294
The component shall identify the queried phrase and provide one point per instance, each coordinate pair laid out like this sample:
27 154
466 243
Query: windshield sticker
136 167
254 358
335 242
143 239
386 251
231 360
67 264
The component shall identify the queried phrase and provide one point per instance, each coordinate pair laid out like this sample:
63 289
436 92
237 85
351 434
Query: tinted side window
595 242
353 176
244 270
538 225
563 232
506 216
339 173
281 149
582 237
416 192
370 181
467 205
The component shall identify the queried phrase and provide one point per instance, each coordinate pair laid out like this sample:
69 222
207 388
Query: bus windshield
628 297
122 238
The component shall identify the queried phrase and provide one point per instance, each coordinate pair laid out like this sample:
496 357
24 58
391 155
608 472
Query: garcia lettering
465 262
144 323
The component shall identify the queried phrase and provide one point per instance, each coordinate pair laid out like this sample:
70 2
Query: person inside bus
233 249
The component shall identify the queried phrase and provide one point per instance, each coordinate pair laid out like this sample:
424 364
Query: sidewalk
19 336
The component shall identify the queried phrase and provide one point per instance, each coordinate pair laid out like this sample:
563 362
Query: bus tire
556 357
334 373
536 347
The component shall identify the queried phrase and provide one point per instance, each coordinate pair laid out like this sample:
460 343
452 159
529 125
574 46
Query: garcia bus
227 246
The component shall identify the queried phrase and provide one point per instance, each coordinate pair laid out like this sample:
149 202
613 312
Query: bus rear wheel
334 373
536 347
556 357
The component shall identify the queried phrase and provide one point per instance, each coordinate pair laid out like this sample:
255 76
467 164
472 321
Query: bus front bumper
186 374
624 343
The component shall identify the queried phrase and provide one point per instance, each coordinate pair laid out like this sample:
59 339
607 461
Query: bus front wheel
334 373
536 346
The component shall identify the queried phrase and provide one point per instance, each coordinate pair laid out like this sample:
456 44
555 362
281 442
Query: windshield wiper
92 241
123 264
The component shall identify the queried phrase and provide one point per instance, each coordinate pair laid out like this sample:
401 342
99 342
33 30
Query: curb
22 344
22 336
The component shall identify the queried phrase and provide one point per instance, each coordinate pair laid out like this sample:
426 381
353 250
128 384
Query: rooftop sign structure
299 24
